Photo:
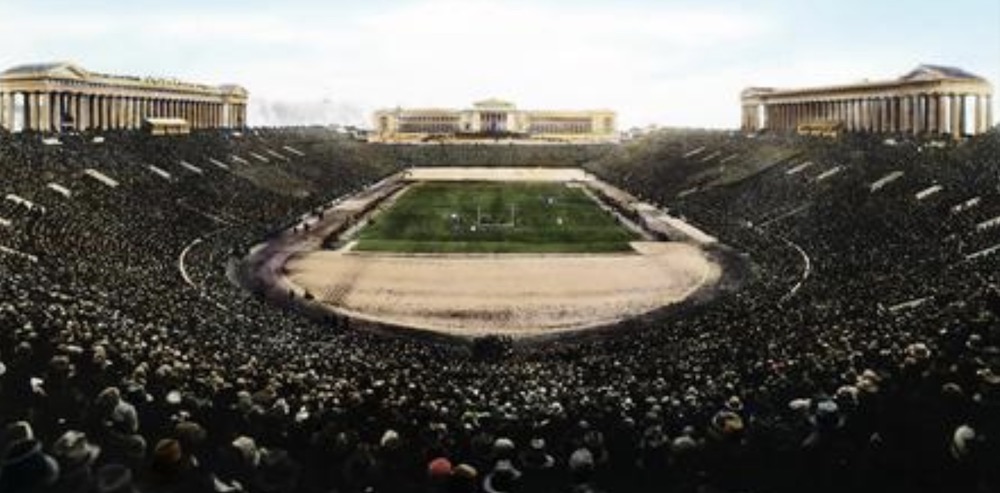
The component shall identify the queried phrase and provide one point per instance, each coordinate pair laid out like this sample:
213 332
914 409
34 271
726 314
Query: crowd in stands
861 355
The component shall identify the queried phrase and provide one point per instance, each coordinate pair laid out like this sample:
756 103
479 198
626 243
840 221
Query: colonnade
493 121
929 100
57 97
956 114
59 111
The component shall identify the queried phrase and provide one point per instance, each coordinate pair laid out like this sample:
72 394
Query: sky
663 62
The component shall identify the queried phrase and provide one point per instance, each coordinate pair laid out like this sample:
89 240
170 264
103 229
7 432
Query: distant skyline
672 63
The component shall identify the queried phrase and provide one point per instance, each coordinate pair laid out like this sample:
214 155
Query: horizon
675 64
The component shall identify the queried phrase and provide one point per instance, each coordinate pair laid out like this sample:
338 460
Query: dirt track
474 294
517 295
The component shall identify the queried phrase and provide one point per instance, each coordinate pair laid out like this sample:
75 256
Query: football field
494 217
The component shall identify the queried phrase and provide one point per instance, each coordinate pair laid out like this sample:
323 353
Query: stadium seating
862 353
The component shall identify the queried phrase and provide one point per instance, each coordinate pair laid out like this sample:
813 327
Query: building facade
930 100
56 97
493 118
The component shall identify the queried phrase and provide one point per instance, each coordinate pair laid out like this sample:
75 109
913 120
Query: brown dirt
517 295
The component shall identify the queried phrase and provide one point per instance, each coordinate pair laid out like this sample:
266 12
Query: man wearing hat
439 474
277 473
27 469
463 479
504 478
171 470
114 478
538 467
75 455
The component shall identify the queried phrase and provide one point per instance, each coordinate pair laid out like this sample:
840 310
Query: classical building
929 100
493 118
54 97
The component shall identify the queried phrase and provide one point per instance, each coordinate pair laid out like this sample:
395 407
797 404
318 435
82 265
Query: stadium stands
863 353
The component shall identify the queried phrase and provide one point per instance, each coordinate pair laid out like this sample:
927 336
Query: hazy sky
679 63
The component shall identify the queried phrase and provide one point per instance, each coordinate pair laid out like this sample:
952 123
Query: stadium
806 302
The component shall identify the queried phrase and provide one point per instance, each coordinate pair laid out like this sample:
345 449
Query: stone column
906 114
920 127
93 112
867 116
109 105
988 120
125 110
133 113
957 115
96 112
7 116
876 104
859 115
980 113
849 115
924 113
883 121
140 110
856 115
74 109
44 112
108 108
879 114
28 111
130 113
931 111
4 109
83 111
50 113
940 116
873 115
60 107
41 112
115 109
889 114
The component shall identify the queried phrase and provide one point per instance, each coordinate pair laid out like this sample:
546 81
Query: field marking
274 272
522 203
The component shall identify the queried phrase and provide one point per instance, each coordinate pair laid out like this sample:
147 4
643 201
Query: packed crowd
860 355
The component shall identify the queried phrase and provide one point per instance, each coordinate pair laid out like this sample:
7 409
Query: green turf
512 218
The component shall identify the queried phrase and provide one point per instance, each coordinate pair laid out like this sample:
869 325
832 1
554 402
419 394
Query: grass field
494 217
